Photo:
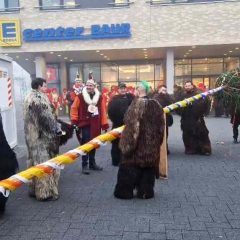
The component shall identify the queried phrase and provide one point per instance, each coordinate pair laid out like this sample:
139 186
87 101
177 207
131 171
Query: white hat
91 81
78 79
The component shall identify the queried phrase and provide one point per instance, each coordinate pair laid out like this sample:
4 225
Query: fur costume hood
40 123
197 108
163 99
117 107
143 133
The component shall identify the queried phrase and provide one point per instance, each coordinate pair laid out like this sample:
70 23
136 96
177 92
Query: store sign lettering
70 33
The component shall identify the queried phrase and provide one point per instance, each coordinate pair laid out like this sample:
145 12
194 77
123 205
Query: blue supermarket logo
70 33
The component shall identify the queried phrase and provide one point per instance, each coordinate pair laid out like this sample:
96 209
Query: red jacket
81 117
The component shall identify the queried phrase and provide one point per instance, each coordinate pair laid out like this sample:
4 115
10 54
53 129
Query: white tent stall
7 106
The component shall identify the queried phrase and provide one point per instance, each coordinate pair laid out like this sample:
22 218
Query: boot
85 170
94 166
235 140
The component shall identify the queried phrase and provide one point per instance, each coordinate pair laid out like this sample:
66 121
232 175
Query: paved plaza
199 201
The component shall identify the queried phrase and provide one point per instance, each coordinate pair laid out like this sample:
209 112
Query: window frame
58 7
9 9
111 4
171 2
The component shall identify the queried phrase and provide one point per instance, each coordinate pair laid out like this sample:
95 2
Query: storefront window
95 68
9 5
109 72
127 73
74 70
231 63
182 70
207 66
109 77
145 72
159 77
52 77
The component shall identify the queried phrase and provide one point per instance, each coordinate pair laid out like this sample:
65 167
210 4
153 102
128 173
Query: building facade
164 41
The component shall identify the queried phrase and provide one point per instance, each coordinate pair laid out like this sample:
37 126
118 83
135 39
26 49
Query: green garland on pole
230 96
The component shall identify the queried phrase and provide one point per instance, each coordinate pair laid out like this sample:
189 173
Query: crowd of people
136 153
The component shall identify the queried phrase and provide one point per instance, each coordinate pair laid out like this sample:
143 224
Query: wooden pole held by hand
163 165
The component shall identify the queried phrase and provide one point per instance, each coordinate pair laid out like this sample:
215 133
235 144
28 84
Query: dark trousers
91 154
235 131
115 152
69 109
218 111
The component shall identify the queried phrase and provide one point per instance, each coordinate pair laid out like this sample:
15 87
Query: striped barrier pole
48 167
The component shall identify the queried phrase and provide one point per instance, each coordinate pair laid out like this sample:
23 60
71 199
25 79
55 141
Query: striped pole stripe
9 87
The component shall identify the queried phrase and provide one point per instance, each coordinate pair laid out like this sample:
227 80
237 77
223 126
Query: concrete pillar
40 65
170 70
63 75
32 76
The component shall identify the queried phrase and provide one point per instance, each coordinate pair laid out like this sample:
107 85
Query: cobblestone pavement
199 201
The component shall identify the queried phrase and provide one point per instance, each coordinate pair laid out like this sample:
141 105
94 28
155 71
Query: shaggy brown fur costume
117 107
139 145
195 132
8 163
41 134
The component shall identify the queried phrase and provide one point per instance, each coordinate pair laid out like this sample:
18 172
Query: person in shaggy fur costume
195 133
44 134
117 107
140 149
8 163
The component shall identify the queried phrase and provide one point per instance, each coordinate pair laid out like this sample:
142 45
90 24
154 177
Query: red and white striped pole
9 87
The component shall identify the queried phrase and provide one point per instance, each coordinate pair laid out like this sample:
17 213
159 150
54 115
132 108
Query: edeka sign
10 32
97 32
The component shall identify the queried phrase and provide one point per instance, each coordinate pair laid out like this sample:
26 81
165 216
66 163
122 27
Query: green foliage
230 96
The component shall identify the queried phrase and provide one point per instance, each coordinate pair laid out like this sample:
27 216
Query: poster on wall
51 74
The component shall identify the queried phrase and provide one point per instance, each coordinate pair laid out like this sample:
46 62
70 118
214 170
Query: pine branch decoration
230 96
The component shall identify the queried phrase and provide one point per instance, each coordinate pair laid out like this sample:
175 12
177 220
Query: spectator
117 108
88 112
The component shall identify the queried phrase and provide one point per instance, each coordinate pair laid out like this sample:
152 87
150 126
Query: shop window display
146 72
53 86
159 78
127 73
182 70
231 63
